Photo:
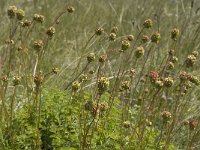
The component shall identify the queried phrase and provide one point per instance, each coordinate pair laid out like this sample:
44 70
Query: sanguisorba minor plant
125 96
22 75
152 99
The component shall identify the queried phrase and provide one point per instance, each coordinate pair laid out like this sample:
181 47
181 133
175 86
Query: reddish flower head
154 75
193 124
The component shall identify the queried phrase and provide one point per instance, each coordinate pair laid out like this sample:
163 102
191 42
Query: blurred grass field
74 30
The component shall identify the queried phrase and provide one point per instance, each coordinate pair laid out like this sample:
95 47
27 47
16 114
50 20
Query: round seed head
155 38
91 57
166 115
20 14
38 45
145 39
112 36
103 84
193 124
114 29
75 86
174 34
11 12
168 82
139 52
190 61
130 37
16 80
70 9
148 23
99 31
102 58
38 18
50 31
125 45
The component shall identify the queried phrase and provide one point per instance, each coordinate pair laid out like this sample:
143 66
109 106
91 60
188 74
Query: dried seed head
187 86
55 70
91 57
148 23
190 61
114 29
174 34
16 80
125 45
83 78
145 39
125 85
11 12
38 18
193 124
26 23
19 48
168 82
99 31
132 72
50 32
103 106
170 65
38 79
10 42
130 37
102 58
174 59
103 84
159 83
95 110
38 45
20 14
184 76
155 38
4 78
194 79
75 86
166 115
139 52
185 122
70 9
195 53
112 36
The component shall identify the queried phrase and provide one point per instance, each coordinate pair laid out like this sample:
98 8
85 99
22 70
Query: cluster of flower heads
187 77
172 60
14 12
16 79
159 81
19 14
91 57
96 108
